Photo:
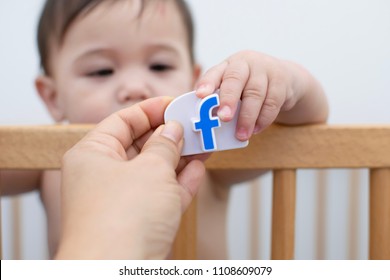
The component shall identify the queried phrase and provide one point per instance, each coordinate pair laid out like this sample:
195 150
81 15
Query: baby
100 56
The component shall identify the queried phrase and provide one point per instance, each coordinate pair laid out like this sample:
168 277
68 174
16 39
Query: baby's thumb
166 142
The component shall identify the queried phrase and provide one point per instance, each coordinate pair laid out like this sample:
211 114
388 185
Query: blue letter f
207 122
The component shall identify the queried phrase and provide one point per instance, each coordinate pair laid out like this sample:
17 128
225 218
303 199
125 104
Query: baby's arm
17 182
51 200
223 178
270 89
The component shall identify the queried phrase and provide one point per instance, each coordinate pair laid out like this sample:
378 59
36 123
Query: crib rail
282 149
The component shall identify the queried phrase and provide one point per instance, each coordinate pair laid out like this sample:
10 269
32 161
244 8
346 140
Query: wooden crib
282 149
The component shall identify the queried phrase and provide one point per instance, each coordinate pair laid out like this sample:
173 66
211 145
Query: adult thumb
166 142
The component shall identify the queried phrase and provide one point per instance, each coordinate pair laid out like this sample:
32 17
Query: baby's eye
160 67
101 73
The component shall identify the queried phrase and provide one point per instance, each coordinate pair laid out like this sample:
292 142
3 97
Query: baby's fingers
211 80
230 77
276 95
233 83
253 98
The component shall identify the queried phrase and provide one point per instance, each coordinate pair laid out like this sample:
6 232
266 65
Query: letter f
207 122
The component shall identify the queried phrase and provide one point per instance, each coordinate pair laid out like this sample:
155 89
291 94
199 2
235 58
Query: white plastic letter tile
203 132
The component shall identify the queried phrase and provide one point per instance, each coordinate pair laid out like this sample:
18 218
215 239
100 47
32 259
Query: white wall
344 43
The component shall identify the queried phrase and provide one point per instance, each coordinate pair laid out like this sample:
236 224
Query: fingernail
173 131
224 113
204 90
242 134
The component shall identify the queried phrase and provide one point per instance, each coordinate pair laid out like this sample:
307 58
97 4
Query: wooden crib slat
16 228
380 213
254 213
37 147
184 247
313 146
283 214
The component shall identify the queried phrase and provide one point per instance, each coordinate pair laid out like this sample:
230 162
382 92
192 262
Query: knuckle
233 75
277 82
278 89
254 93
271 104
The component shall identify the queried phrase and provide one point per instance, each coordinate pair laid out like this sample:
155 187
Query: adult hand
123 188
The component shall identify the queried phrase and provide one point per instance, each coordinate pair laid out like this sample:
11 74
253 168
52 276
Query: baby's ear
47 91
197 71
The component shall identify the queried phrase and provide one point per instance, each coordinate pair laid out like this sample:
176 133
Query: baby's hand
263 83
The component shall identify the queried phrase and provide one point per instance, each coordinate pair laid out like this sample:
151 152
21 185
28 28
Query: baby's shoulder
51 178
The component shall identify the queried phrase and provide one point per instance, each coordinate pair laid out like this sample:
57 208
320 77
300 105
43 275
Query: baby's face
111 58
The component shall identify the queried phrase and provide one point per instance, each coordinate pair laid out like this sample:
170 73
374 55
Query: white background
279 270
345 44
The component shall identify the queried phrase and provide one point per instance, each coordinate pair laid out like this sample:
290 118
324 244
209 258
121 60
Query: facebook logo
206 122
203 132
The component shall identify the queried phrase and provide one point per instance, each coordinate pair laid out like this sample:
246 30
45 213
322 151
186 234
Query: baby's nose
135 89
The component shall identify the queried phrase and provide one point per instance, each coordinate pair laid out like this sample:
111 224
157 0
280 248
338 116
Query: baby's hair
58 15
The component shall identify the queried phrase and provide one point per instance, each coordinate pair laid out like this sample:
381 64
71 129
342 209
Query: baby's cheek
92 113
